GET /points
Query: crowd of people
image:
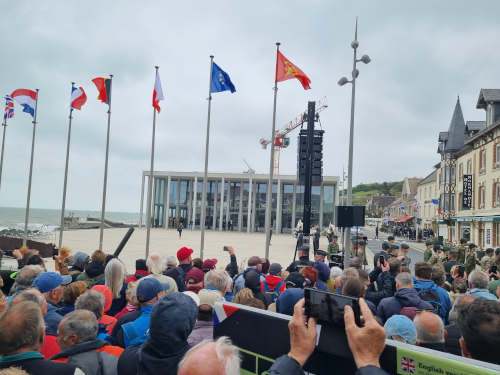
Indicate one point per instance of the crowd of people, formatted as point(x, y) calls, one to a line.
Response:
point(90, 316)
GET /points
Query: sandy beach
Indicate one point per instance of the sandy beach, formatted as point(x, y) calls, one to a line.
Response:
point(167, 242)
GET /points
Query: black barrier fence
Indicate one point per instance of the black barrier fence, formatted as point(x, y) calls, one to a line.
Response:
point(263, 336)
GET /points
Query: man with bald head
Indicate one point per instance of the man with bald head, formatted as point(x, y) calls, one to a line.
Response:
point(218, 358)
point(430, 330)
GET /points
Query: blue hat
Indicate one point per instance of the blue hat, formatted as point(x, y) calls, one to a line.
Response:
point(400, 325)
point(149, 288)
point(47, 281)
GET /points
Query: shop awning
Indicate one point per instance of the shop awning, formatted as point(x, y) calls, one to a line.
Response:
point(406, 219)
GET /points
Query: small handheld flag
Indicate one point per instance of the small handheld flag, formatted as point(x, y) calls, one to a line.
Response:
point(9, 108)
point(157, 93)
point(26, 98)
point(220, 80)
point(285, 69)
point(78, 98)
point(104, 87)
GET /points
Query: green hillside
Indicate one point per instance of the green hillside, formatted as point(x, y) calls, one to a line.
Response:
point(362, 192)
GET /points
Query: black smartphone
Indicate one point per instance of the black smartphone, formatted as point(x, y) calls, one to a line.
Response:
point(493, 268)
point(381, 260)
point(225, 248)
point(328, 308)
point(461, 271)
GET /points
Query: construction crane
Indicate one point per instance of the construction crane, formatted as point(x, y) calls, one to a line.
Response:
point(282, 141)
point(250, 170)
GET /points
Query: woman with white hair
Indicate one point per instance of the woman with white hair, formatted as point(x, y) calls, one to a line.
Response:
point(156, 266)
point(114, 279)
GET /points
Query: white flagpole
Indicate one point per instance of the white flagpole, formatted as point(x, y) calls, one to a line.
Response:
point(150, 180)
point(4, 124)
point(61, 229)
point(205, 175)
point(27, 214)
point(103, 207)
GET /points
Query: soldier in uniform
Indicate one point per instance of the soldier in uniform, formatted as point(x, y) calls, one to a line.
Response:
point(303, 262)
point(436, 257)
point(319, 256)
point(333, 246)
point(384, 252)
point(405, 248)
point(487, 260)
point(471, 260)
point(428, 250)
point(393, 251)
point(390, 239)
point(462, 250)
point(362, 251)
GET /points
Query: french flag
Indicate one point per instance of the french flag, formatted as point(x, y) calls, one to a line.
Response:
point(157, 93)
point(26, 98)
point(78, 97)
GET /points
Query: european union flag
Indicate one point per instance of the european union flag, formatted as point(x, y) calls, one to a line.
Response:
point(220, 80)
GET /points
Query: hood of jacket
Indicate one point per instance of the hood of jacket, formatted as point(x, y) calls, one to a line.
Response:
point(94, 269)
point(423, 284)
point(80, 348)
point(273, 281)
point(168, 333)
point(407, 297)
point(252, 281)
point(108, 295)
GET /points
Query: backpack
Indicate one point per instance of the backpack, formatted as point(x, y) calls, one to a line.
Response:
point(431, 296)
point(274, 293)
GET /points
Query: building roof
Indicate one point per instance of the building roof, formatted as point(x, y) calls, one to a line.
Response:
point(487, 95)
point(431, 177)
point(471, 126)
point(456, 131)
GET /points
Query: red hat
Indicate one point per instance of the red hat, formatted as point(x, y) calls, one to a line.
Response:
point(184, 253)
point(209, 264)
point(195, 275)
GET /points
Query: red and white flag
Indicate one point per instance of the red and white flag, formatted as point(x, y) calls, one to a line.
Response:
point(157, 93)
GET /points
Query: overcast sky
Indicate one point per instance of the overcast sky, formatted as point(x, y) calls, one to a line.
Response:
point(423, 54)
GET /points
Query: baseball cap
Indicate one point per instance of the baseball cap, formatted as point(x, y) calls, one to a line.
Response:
point(274, 269)
point(149, 288)
point(400, 325)
point(47, 281)
point(184, 253)
point(255, 260)
point(209, 264)
point(295, 280)
point(209, 297)
point(195, 275)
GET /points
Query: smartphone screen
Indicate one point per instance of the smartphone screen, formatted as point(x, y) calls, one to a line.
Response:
point(225, 248)
point(381, 259)
point(461, 270)
point(328, 308)
point(493, 269)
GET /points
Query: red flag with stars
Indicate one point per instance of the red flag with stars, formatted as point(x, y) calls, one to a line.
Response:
point(285, 69)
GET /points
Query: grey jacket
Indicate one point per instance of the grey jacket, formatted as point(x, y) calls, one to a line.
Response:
point(202, 330)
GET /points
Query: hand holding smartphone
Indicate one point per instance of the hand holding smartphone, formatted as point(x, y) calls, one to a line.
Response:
point(328, 308)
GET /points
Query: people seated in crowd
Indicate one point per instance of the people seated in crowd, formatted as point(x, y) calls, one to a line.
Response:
point(106, 320)
point(94, 272)
point(93, 301)
point(80, 263)
point(70, 294)
point(77, 337)
point(24, 279)
point(22, 336)
point(114, 279)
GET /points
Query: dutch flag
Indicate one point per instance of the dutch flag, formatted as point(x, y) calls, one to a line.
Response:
point(26, 99)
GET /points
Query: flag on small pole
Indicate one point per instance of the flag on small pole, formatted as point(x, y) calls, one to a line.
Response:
point(78, 98)
point(157, 96)
point(285, 70)
point(104, 88)
point(28, 99)
point(9, 113)
point(219, 81)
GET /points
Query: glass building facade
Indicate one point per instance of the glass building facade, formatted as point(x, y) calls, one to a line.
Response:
point(236, 201)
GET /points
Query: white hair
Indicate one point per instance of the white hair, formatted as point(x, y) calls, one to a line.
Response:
point(171, 261)
point(114, 275)
point(216, 279)
point(229, 282)
point(227, 354)
point(335, 272)
point(478, 279)
point(155, 264)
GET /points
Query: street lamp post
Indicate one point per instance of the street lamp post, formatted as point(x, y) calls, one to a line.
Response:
point(355, 73)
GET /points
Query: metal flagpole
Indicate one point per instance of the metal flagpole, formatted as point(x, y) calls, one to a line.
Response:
point(271, 163)
point(27, 214)
point(205, 175)
point(103, 208)
point(4, 124)
point(61, 229)
point(150, 180)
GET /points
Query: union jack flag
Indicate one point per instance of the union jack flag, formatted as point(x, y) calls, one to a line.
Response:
point(9, 108)
point(408, 365)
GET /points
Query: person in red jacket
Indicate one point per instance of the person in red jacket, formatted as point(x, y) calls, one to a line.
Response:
point(273, 284)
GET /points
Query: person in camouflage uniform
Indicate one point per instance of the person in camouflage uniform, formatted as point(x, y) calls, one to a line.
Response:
point(462, 250)
point(487, 260)
point(428, 250)
point(471, 260)
point(361, 253)
point(333, 246)
point(436, 258)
